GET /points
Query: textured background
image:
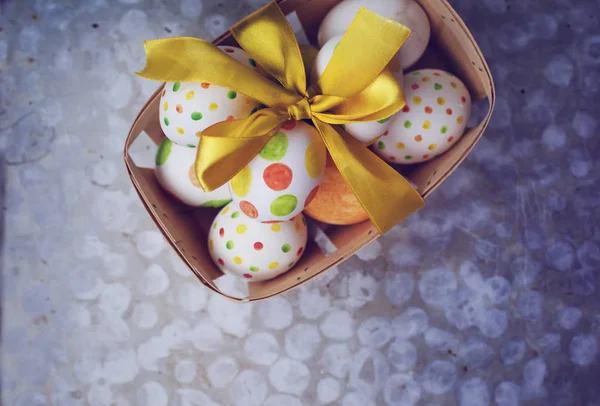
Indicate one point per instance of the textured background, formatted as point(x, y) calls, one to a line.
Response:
point(487, 296)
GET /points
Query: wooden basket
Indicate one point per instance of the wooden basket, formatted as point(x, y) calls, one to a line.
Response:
point(451, 48)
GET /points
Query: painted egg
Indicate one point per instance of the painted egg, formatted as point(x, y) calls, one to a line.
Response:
point(406, 12)
point(245, 248)
point(364, 132)
point(175, 173)
point(284, 177)
point(438, 107)
point(188, 108)
point(335, 203)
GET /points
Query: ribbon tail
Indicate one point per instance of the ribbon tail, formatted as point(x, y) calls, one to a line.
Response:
point(227, 147)
point(385, 195)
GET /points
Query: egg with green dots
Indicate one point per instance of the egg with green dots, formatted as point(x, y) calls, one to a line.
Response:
point(285, 175)
point(188, 108)
point(174, 168)
point(365, 132)
point(254, 251)
point(437, 110)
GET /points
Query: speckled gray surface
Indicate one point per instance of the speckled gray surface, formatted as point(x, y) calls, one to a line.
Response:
point(487, 296)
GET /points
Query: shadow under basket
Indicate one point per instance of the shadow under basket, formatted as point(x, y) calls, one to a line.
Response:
point(451, 48)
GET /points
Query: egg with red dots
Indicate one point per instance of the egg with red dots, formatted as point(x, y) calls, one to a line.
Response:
point(438, 107)
point(284, 177)
point(243, 247)
point(365, 132)
point(188, 108)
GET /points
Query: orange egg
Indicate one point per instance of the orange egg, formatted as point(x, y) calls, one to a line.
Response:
point(335, 203)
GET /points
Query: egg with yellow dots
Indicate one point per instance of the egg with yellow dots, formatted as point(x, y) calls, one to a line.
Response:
point(188, 108)
point(437, 110)
point(243, 247)
point(284, 177)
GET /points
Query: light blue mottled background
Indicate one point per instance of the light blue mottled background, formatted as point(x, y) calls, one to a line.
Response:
point(487, 296)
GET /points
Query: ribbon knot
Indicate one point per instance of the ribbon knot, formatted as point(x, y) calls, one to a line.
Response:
point(300, 110)
point(355, 88)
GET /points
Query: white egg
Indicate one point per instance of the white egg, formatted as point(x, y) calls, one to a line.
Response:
point(364, 132)
point(284, 177)
point(406, 12)
point(188, 108)
point(245, 248)
point(438, 107)
point(175, 173)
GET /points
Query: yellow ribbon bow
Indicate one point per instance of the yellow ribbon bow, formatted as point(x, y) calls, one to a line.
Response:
point(355, 87)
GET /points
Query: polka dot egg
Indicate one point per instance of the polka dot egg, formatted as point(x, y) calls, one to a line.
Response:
point(364, 132)
point(188, 108)
point(175, 173)
point(245, 248)
point(438, 107)
point(284, 177)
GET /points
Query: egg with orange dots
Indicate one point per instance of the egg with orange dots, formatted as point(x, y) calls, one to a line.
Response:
point(284, 177)
point(335, 203)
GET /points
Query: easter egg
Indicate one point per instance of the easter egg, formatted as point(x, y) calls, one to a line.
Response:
point(255, 251)
point(175, 173)
point(188, 108)
point(364, 132)
point(406, 12)
point(284, 177)
point(438, 107)
point(335, 203)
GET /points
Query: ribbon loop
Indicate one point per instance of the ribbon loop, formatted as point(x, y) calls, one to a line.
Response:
point(300, 110)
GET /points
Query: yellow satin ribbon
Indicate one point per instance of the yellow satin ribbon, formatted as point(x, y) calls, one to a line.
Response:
point(355, 87)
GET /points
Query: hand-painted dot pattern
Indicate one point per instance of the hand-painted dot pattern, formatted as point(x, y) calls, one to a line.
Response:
point(438, 107)
point(248, 209)
point(259, 252)
point(188, 108)
point(276, 148)
point(240, 184)
point(275, 185)
point(284, 205)
point(277, 176)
